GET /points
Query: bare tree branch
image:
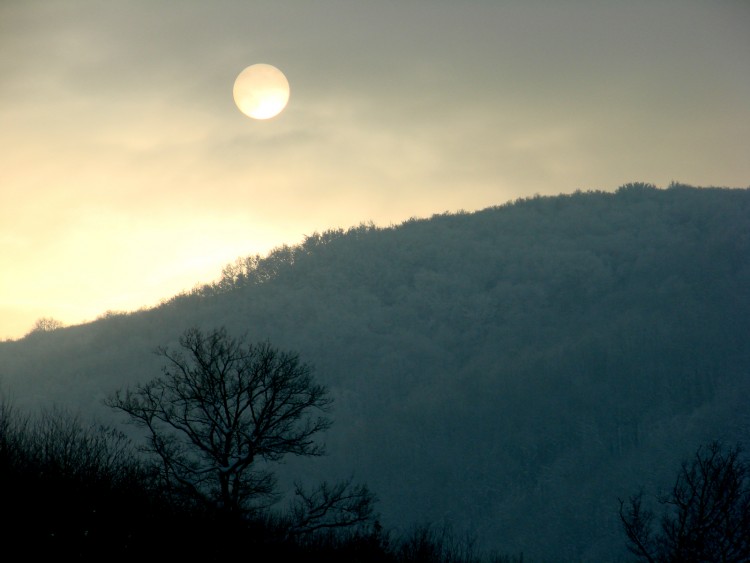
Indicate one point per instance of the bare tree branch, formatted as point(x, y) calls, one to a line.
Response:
point(327, 507)
point(706, 516)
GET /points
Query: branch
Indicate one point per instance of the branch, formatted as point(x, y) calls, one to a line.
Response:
point(342, 505)
point(637, 524)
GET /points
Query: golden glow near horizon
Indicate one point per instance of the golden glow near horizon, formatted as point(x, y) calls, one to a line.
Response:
point(143, 180)
point(261, 91)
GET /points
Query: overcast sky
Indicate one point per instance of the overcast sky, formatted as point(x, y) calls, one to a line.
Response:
point(127, 174)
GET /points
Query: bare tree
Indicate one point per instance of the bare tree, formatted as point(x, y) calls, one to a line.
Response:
point(330, 507)
point(706, 516)
point(45, 324)
point(220, 410)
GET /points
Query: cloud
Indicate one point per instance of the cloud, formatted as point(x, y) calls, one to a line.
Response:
point(118, 129)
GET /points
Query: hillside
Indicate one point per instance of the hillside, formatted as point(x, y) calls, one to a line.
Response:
point(510, 372)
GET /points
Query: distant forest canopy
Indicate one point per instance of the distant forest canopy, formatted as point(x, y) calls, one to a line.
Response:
point(510, 372)
point(512, 223)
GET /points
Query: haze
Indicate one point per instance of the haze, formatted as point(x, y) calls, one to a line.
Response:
point(127, 174)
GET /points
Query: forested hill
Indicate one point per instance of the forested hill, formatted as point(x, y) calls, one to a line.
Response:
point(511, 371)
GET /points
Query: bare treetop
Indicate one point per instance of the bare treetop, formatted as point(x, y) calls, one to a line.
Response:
point(221, 406)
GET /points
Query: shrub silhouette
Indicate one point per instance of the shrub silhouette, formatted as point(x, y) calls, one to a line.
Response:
point(706, 515)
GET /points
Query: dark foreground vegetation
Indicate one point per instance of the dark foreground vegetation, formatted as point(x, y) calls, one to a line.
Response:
point(81, 491)
point(704, 517)
point(508, 374)
point(75, 490)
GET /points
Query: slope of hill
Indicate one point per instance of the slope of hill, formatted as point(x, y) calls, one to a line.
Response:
point(510, 372)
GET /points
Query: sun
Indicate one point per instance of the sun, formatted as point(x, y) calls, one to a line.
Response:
point(261, 91)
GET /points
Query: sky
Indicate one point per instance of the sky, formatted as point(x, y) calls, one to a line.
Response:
point(128, 175)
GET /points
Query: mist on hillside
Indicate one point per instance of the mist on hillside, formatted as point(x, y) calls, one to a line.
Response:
point(509, 372)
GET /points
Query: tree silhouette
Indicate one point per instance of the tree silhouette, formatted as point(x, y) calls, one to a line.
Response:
point(45, 324)
point(221, 409)
point(706, 516)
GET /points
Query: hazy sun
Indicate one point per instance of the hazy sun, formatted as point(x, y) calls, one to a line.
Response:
point(261, 91)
